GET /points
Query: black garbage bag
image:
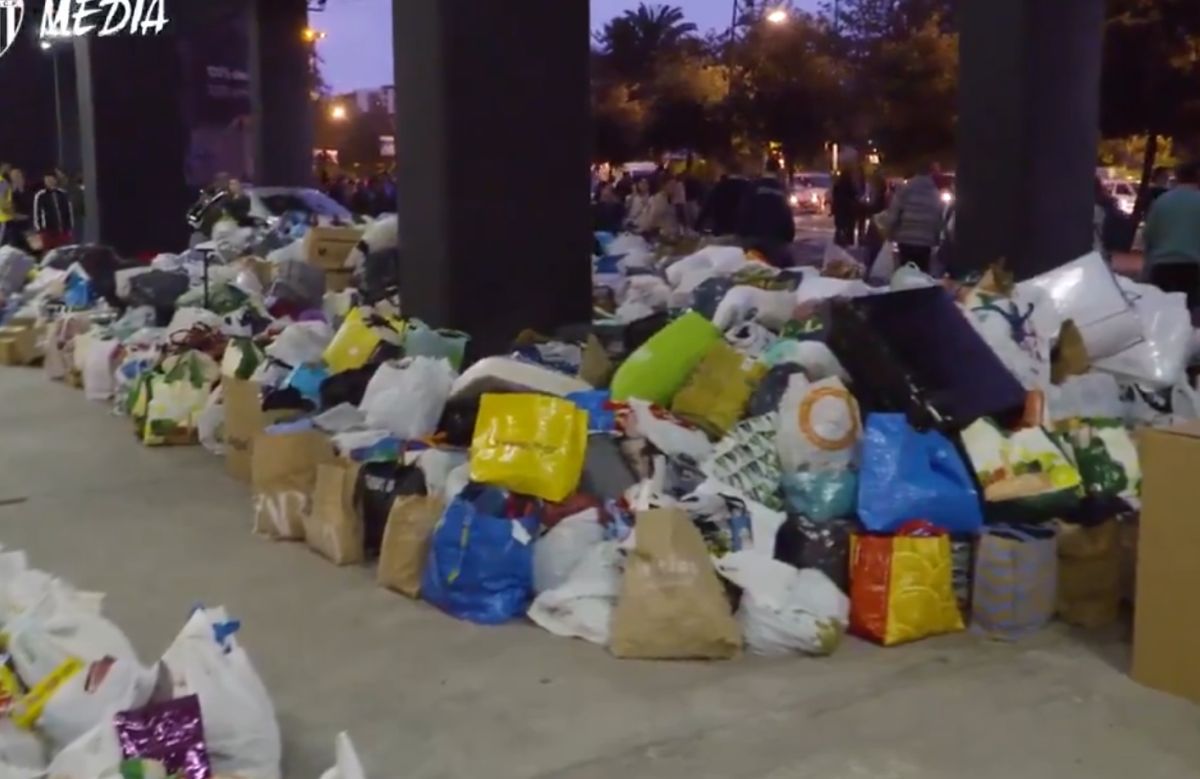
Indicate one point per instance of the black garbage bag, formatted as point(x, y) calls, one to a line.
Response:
point(347, 386)
point(378, 486)
point(458, 421)
point(642, 330)
point(771, 389)
point(914, 352)
point(710, 293)
point(824, 546)
point(380, 275)
point(158, 289)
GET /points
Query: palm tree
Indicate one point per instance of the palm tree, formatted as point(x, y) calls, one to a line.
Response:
point(634, 40)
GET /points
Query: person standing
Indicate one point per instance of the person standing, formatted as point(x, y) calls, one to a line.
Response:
point(638, 203)
point(846, 206)
point(661, 216)
point(1160, 184)
point(765, 221)
point(53, 216)
point(914, 220)
point(6, 201)
point(608, 212)
point(1173, 237)
point(22, 208)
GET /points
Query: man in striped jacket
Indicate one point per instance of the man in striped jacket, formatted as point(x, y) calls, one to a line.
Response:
point(52, 216)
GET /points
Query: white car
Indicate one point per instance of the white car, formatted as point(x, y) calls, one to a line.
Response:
point(810, 193)
point(1124, 194)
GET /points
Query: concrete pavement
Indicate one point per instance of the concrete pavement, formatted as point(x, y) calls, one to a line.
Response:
point(425, 696)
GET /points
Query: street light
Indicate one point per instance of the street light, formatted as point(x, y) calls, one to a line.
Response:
point(47, 45)
point(338, 113)
point(778, 16)
point(310, 35)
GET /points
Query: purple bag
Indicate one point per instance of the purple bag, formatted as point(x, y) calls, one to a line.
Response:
point(171, 733)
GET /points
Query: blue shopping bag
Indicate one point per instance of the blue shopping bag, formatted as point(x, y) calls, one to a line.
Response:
point(480, 564)
point(908, 475)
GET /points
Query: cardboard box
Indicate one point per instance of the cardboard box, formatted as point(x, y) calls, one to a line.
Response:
point(328, 247)
point(1166, 633)
point(18, 345)
point(244, 419)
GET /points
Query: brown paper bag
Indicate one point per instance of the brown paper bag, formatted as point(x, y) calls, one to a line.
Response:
point(406, 542)
point(333, 529)
point(283, 475)
point(1089, 574)
point(1070, 357)
point(672, 605)
point(244, 420)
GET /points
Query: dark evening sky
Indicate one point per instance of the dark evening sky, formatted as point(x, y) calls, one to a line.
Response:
point(358, 46)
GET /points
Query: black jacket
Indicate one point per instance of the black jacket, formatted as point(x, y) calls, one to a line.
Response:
point(52, 211)
point(722, 206)
point(765, 218)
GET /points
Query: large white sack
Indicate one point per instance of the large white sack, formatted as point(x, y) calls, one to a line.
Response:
point(626, 243)
point(772, 308)
point(20, 750)
point(1086, 292)
point(239, 718)
point(649, 291)
point(582, 607)
point(815, 287)
point(301, 343)
point(407, 398)
point(557, 553)
point(785, 610)
point(1161, 358)
point(347, 765)
point(94, 755)
point(720, 260)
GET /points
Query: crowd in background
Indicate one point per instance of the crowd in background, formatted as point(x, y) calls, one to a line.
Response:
point(39, 216)
point(371, 195)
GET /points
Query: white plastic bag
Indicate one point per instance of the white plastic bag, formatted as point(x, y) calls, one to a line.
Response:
point(1161, 359)
point(407, 398)
point(20, 749)
point(706, 263)
point(1090, 396)
point(626, 243)
point(764, 521)
point(771, 308)
point(191, 316)
point(817, 360)
point(670, 438)
point(1086, 292)
point(582, 606)
point(98, 369)
point(785, 610)
point(239, 718)
point(95, 667)
point(210, 425)
point(814, 287)
point(557, 553)
point(649, 291)
point(819, 425)
point(94, 755)
point(347, 765)
point(884, 266)
point(301, 343)
point(911, 277)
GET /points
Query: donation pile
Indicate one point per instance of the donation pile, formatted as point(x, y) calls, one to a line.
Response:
point(733, 457)
point(79, 704)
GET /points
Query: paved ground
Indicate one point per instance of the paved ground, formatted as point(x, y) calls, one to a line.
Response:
point(425, 696)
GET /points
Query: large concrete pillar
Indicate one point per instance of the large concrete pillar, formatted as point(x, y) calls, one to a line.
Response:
point(133, 142)
point(1028, 130)
point(492, 152)
point(280, 90)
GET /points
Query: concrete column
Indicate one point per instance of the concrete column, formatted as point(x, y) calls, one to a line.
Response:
point(1028, 130)
point(492, 152)
point(283, 108)
point(133, 142)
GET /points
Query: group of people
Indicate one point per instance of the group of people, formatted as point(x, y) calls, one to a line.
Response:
point(370, 195)
point(36, 219)
point(751, 207)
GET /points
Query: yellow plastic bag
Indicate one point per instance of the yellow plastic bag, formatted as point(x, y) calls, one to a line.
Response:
point(530, 444)
point(718, 390)
point(357, 339)
point(902, 587)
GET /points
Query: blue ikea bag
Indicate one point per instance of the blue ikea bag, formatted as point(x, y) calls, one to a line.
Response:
point(907, 475)
point(480, 564)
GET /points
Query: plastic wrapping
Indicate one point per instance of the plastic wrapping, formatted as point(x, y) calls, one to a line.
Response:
point(562, 548)
point(908, 475)
point(1160, 360)
point(171, 733)
point(531, 444)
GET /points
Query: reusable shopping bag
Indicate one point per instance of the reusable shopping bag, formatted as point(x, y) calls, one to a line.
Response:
point(406, 542)
point(819, 425)
point(908, 475)
point(333, 528)
point(480, 565)
point(423, 341)
point(407, 397)
point(283, 476)
point(747, 460)
point(672, 605)
point(531, 444)
point(358, 338)
point(1106, 456)
point(1016, 580)
point(241, 359)
point(378, 487)
point(716, 394)
point(822, 546)
point(660, 366)
point(1089, 574)
point(170, 400)
point(1025, 475)
point(901, 586)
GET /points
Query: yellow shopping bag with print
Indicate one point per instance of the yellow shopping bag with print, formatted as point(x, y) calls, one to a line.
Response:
point(902, 586)
point(358, 338)
point(530, 444)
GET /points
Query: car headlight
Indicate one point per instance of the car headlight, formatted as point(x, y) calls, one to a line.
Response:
point(794, 200)
point(947, 197)
point(815, 197)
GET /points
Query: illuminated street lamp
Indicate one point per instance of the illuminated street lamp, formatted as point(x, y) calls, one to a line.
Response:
point(778, 16)
point(309, 35)
point(338, 113)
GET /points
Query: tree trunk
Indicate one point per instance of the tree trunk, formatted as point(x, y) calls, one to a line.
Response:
point(1148, 164)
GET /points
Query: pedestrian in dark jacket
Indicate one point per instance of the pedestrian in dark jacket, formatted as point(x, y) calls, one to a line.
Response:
point(720, 212)
point(53, 216)
point(765, 221)
point(846, 204)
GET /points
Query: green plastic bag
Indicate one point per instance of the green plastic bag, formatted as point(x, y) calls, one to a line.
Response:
point(718, 390)
point(662, 365)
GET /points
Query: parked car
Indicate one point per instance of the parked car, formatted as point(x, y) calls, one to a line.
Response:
point(269, 204)
point(1124, 194)
point(810, 193)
